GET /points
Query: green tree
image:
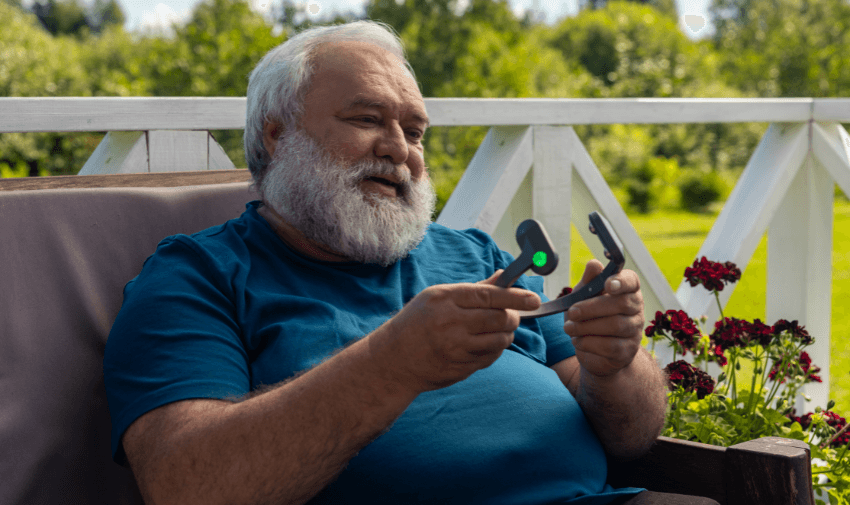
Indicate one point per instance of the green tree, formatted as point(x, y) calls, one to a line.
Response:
point(633, 51)
point(105, 13)
point(29, 67)
point(436, 33)
point(785, 47)
point(61, 17)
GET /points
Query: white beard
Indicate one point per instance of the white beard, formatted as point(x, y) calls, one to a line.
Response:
point(321, 196)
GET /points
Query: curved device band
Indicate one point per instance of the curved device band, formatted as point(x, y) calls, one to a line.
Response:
point(565, 302)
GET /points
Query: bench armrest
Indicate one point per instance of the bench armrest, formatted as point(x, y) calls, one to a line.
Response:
point(769, 471)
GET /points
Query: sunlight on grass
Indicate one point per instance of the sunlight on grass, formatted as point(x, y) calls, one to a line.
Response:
point(674, 239)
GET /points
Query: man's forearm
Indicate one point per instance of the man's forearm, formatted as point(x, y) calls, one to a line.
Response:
point(627, 409)
point(283, 446)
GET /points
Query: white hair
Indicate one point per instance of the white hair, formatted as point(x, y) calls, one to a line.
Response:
point(279, 82)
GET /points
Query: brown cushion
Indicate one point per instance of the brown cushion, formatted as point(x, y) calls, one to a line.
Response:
point(65, 256)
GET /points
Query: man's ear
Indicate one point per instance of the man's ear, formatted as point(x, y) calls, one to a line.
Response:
point(271, 132)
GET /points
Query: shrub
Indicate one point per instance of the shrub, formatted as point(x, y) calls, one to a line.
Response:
point(701, 189)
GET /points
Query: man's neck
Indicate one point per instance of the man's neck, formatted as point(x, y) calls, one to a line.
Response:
point(295, 239)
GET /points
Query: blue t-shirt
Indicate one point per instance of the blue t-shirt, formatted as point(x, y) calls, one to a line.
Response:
point(229, 309)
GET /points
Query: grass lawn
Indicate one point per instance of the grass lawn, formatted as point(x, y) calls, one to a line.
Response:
point(674, 239)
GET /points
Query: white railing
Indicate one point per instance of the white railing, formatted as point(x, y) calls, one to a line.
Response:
point(531, 165)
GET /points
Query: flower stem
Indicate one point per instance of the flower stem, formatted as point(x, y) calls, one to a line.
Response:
point(834, 437)
point(717, 299)
point(753, 386)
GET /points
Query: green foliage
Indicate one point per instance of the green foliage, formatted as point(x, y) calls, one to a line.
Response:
point(64, 17)
point(71, 17)
point(29, 67)
point(700, 190)
point(784, 47)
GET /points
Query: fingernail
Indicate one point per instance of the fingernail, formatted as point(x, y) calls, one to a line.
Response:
point(615, 285)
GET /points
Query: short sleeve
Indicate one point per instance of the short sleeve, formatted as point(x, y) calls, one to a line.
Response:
point(175, 337)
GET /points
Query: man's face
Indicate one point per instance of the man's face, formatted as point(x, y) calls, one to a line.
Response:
point(363, 104)
point(353, 176)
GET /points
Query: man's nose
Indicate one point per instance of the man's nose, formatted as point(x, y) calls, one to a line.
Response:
point(392, 145)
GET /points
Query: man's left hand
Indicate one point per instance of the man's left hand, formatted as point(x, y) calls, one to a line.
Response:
point(608, 328)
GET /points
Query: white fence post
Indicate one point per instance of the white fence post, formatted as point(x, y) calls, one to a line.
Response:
point(799, 266)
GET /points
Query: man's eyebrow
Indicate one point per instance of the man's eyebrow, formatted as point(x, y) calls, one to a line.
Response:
point(367, 103)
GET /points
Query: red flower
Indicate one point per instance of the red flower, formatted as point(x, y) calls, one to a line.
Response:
point(833, 420)
point(799, 332)
point(805, 364)
point(678, 325)
point(761, 332)
point(718, 355)
point(681, 373)
point(711, 274)
point(730, 332)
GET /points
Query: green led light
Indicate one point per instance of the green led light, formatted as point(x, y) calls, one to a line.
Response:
point(539, 258)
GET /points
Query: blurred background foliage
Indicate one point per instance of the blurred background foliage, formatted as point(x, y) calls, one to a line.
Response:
point(474, 48)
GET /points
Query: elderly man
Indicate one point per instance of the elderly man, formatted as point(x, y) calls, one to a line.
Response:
point(334, 345)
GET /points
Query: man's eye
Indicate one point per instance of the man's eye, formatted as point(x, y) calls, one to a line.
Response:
point(416, 134)
point(368, 119)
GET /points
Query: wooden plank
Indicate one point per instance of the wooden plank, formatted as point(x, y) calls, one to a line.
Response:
point(831, 109)
point(552, 197)
point(675, 466)
point(121, 114)
point(178, 150)
point(539, 111)
point(217, 159)
point(831, 146)
point(770, 471)
point(143, 180)
point(59, 114)
point(520, 209)
point(799, 267)
point(119, 153)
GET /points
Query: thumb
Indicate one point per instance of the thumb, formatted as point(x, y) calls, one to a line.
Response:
point(591, 270)
point(492, 279)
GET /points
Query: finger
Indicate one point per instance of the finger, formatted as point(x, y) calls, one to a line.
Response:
point(628, 304)
point(621, 326)
point(478, 321)
point(592, 269)
point(491, 343)
point(481, 296)
point(493, 278)
point(627, 281)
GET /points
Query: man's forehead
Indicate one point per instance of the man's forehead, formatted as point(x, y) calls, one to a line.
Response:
point(353, 53)
point(368, 68)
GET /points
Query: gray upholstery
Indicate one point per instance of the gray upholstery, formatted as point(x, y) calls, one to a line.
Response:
point(65, 256)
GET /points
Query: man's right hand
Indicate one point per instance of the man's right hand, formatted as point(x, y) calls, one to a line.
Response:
point(449, 331)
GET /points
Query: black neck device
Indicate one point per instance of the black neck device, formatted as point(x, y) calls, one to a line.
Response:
point(539, 256)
